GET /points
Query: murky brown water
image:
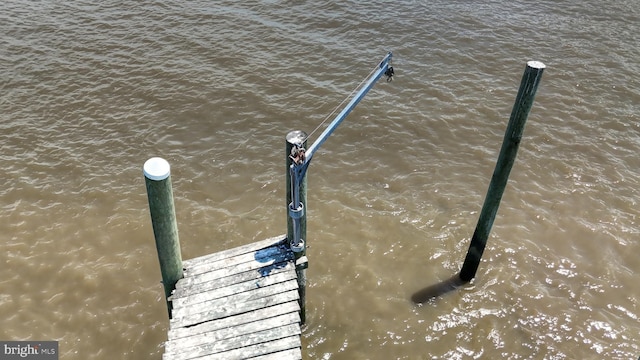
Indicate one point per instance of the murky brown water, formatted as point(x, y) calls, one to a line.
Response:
point(90, 90)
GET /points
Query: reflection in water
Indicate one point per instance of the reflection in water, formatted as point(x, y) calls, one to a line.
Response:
point(436, 290)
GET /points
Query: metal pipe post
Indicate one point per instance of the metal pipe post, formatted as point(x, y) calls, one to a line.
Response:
point(163, 218)
point(513, 135)
point(297, 223)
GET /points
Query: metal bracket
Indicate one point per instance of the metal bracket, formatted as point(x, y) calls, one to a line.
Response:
point(302, 263)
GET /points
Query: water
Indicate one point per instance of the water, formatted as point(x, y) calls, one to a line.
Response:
point(90, 90)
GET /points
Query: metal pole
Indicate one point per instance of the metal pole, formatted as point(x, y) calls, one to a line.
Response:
point(297, 163)
point(163, 218)
point(382, 69)
point(513, 135)
point(297, 224)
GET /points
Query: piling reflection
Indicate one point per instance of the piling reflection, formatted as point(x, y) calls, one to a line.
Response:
point(437, 290)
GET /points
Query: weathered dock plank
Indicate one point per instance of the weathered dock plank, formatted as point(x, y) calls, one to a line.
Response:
point(240, 303)
point(231, 309)
point(213, 273)
point(252, 247)
point(272, 269)
point(232, 304)
point(261, 338)
point(252, 351)
point(261, 256)
point(286, 354)
point(263, 313)
point(241, 287)
point(232, 332)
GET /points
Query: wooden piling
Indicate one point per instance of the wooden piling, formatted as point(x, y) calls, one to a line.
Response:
point(163, 218)
point(297, 138)
point(513, 135)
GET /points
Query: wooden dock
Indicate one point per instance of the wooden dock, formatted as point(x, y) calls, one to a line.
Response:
point(248, 302)
point(241, 303)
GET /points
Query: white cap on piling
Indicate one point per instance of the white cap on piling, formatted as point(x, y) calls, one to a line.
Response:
point(536, 64)
point(156, 168)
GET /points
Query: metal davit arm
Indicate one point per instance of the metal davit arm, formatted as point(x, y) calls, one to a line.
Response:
point(301, 157)
point(382, 69)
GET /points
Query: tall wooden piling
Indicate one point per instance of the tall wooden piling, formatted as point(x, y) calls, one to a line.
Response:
point(513, 135)
point(297, 138)
point(163, 218)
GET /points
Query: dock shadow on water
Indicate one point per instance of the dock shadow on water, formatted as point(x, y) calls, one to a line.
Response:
point(274, 257)
point(434, 291)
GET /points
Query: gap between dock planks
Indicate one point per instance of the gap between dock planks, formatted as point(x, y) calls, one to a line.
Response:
point(237, 304)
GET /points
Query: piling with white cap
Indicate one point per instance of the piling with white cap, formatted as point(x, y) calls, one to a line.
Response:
point(506, 158)
point(163, 218)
